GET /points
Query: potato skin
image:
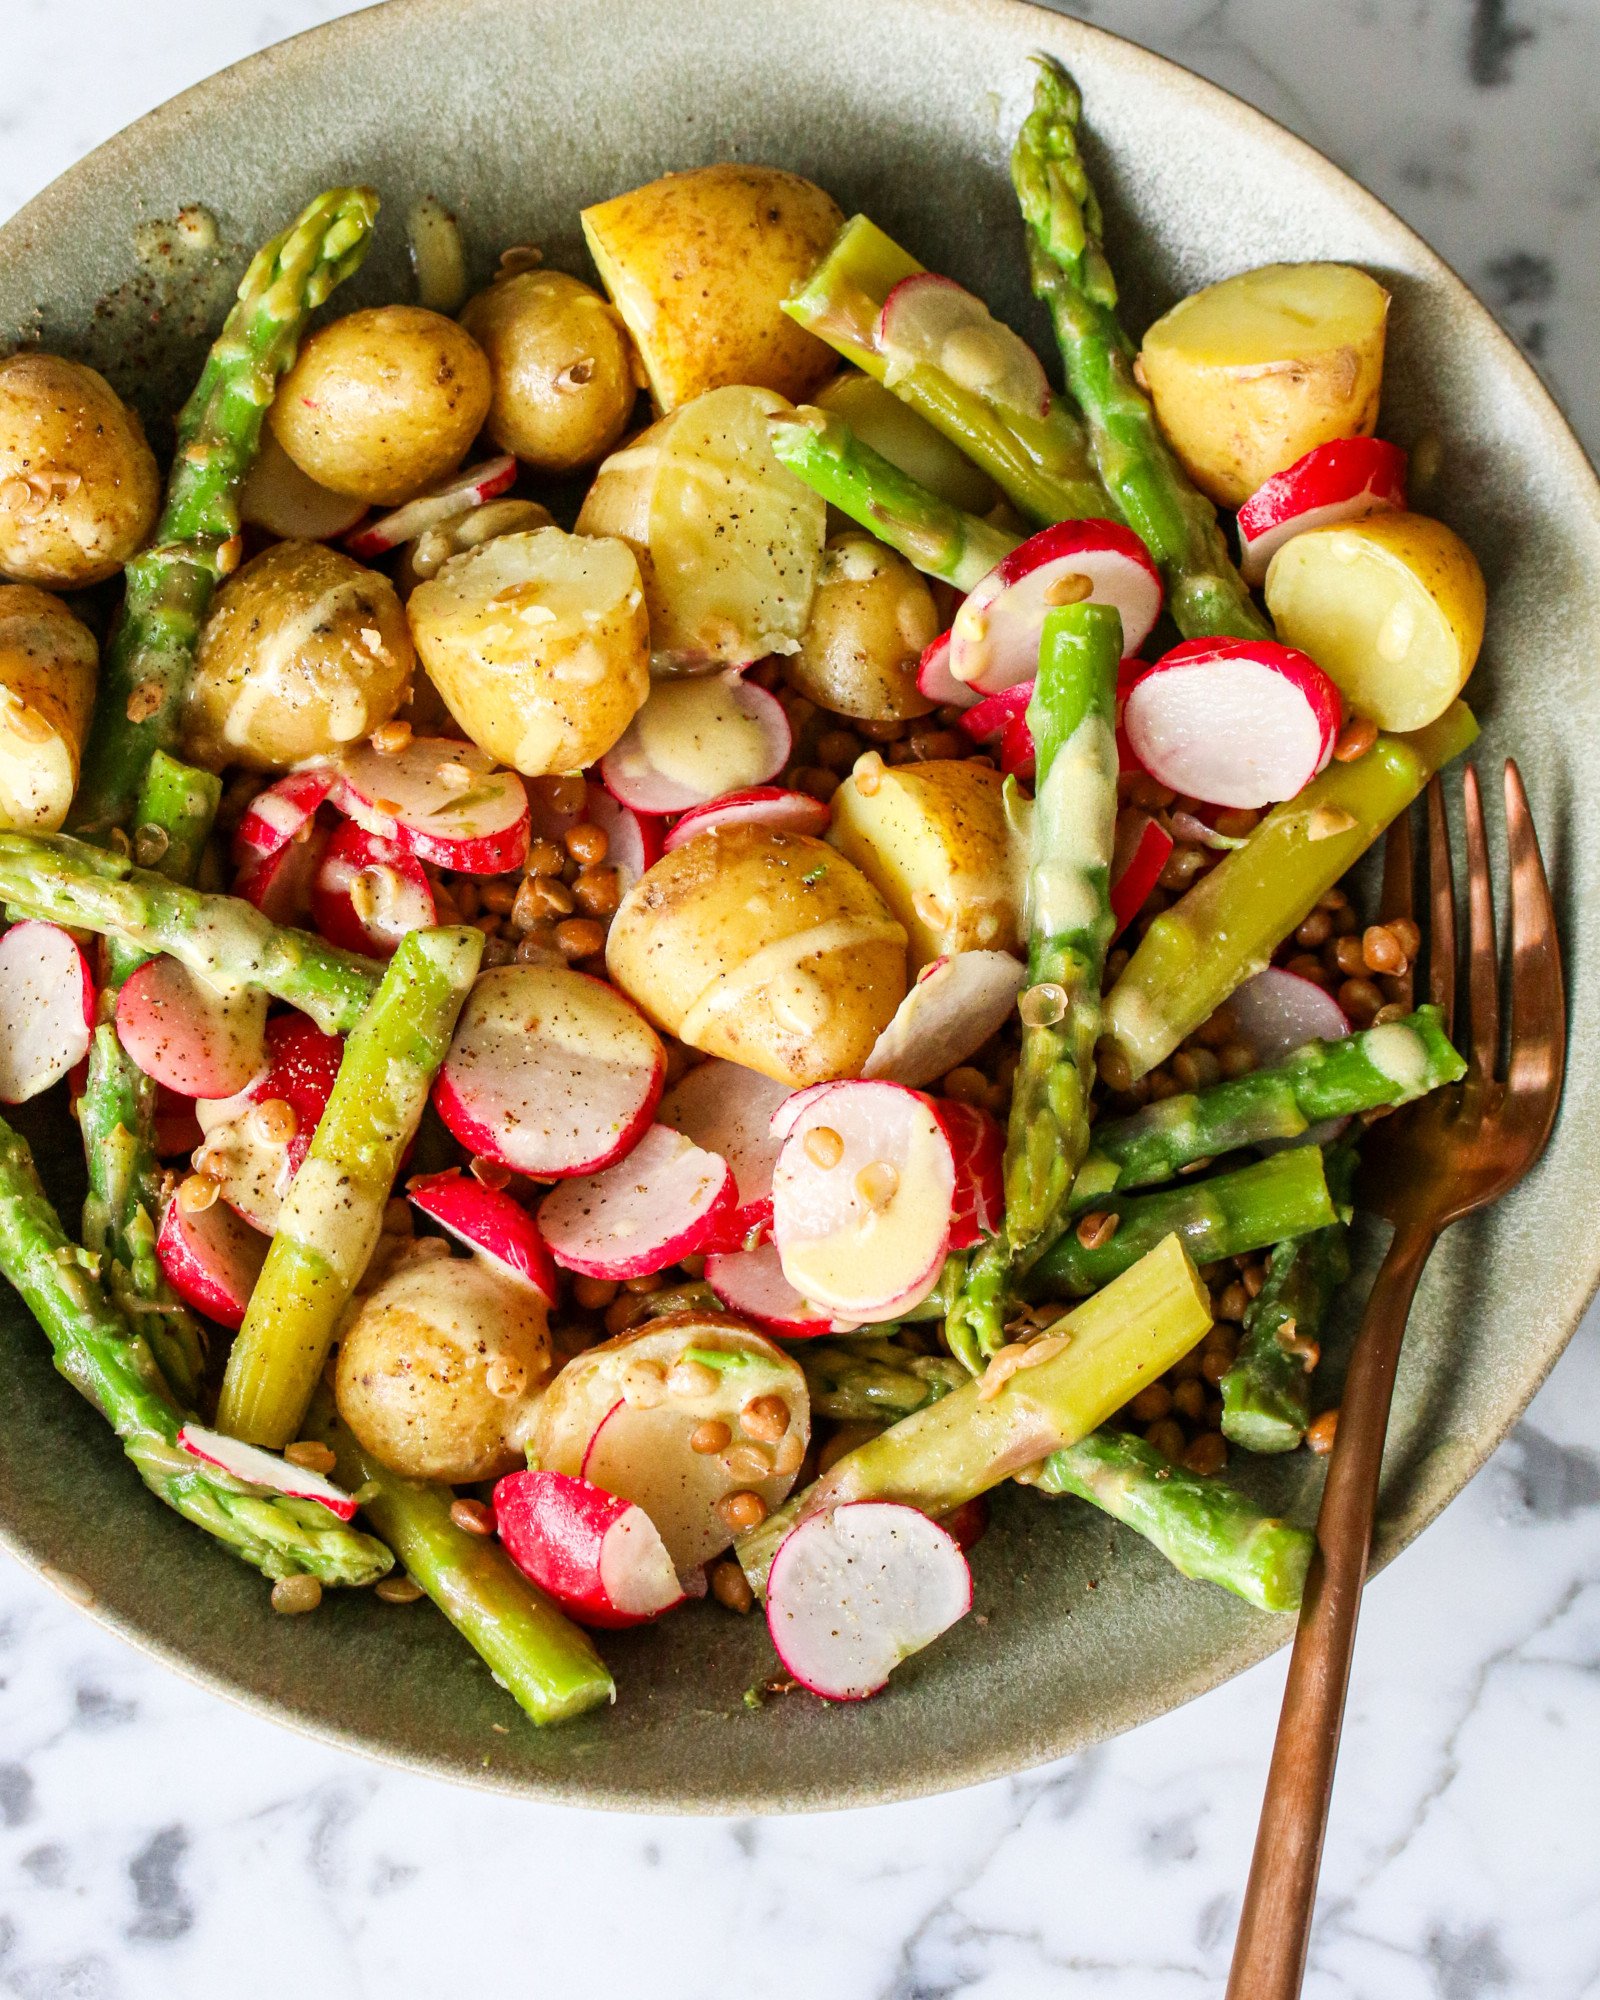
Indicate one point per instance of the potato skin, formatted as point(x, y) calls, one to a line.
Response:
point(564, 370)
point(539, 644)
point(48, 663)
point(79, 486)
point(304, 652)
point(382, 402)
point(699, 265)
point(763, 947)
point(419, 1364)
point(871, 618)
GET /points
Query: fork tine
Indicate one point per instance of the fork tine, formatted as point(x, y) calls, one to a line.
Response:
point(1396, 900)
point(1483, 963)
point(1538, 1000)
point(1442, 907)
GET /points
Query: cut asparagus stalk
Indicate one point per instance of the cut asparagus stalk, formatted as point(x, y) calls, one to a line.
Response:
point(111, 1365)
point(1227, 1216)
point(1084, 1368)
point(1387, 1065)
point(868, 1381)
point(331, 1220)
point(1205, 593)
point(1229, 924)
point(1041, 464)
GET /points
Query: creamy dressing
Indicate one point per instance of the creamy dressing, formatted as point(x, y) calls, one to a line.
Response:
point(1076, 815)
point(1397, 1052)
point(695, 733)
point(775, 965)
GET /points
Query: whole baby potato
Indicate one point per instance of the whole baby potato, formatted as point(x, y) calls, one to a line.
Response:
point(383, 402)
point(699, 265)
point(439, 1370)
point(562, 364)
point(47, 674)
point(539, 644)
point(871, 618)
point(304, 652)
point(79, 487)
point(765, 947)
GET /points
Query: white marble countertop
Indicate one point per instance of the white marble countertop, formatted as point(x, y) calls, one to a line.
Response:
point(155, 1842)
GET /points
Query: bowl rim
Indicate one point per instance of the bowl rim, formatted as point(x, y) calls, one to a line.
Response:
point(1064, 35)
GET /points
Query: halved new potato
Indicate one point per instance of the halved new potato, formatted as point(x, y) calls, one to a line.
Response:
point(1247, 375)
point(1391, 608)
point(48, 661)
point(871, 619)
point(728, 540)
point(539, 645)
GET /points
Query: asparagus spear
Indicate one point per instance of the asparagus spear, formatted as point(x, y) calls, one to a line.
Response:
point(1203, 1527)
point(932, 535)
point(1266, 1394)
point(222, 938)
point(1041, 464)
point(1389, 1065)
point(333, 1215)
point(1228, 925)
point(169, 586)
point(1225, 1216)
point(540, 1658)
point(1071, 1379)
point(111, 1364)
point(1205, 593)
point(863, 1380)
point(1072, 715)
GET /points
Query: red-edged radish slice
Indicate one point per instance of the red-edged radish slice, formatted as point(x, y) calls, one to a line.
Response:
point(601, 1558)
point(953, 1009)
point(762, 805)
point(634, 841)
point(789, 1112)
point(862, 1199)
point(1233, 722)
point(728, 1109)
point(994, 640)
point(979, 1147)
point(188, 1035)
point(284, 501)
point(936, 682)
point(255, 1158)
point(1334, 482)
point(1142, 849)
point(491, 1224)
point(1277, 1012)
point(458, 494)
point(280, 814)
point(751, 1283)
point(988, 720)
point(280, 883)
point(256, 1467)
point(667, 1199)
point(47, 1005)
point(369, 892)
point(551, 1072)
point(211, 1258)
point(858, 1588)
point(177, 1127)
point(696, 740)
point(1017, 756)
point(440, 800)
point(930, 321)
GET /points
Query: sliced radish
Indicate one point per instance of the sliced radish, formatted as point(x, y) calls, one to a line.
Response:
point(255, 1158)
point(439, 799)
point(1142, 850)
point(1277, 1012)
point(994, 641)
point(255, 1467)
point(211, 1258)
point(177, 1127)
point(1334, 482)
point(280, 883)
point(955, 1006)
point(979, 1147)
point(857, 1589)
point(288, 503)
point(789, 1112)
point(937, 683)
point(551, 1072)
point(633, 840)
point(729, 1109)
point(862, 1200)
point(47, 1004)
point(1233, 722)
point(762, 805)
point(695, 741)
point(1017, 757)
point(988, 720)
point(195, 1039)
point(458, 494)
point(751, 1283)
point(665, 1200)
point(929, 321)
point(601, 1558)
point(491, 1224)
point(369, 892)
point(281, 813)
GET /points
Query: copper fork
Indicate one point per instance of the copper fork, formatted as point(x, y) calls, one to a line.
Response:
point(1428, 1166)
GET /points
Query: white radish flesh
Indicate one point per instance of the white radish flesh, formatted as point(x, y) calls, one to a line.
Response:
point(211, 1257)
point(439, 799)
point(601, 1558)
point(762, 805)
point(368, 893)
point(937, 683)
point(728, 1109)
point(695, 741)
point(47, 1004)
point(247, 1462)
point(751, 1283)
point(281, 813)
point(491, 1224)
point(278, 497)
point(1341, 481)
point(930, 321)
point(856, 1590)
point(255, 1157)
point(955, 1006)
point(194, 1038)
point(664, 1200)
point(469, 488)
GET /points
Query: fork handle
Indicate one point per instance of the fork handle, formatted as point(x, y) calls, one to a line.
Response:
point(1269, 1954)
